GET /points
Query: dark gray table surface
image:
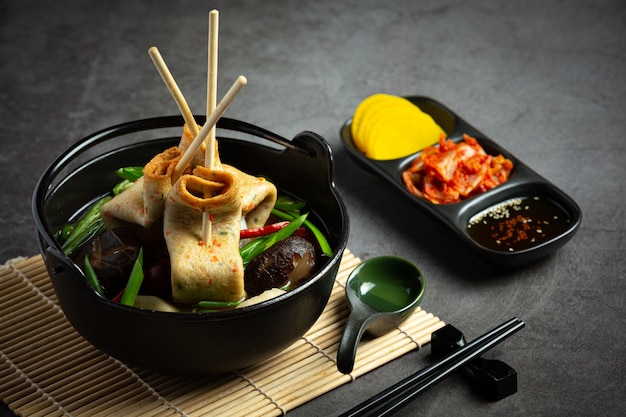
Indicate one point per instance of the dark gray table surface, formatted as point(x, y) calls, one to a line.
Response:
point(546, 80)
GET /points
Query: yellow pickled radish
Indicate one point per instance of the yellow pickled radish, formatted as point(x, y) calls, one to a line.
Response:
point(390, 127)
point(361, 115)
point(401, 137)
point(383, 114)
point(369, 108)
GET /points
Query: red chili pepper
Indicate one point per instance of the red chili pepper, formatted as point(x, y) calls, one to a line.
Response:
point(262, 231)
point(118, 297)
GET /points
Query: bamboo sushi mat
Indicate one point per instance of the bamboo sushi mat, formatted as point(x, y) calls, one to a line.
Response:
point(48, 369)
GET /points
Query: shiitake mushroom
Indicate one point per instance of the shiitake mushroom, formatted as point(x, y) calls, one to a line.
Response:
point(112, 255)
point(291, 260)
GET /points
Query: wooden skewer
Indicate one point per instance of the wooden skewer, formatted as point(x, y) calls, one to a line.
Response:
point(167, 77)
point(212, 84)
point(228, 98)
point(209, 154)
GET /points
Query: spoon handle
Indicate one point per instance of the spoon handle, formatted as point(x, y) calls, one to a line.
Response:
point(355, 326)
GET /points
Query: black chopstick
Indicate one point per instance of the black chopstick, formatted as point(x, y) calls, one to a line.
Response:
point(396, 396)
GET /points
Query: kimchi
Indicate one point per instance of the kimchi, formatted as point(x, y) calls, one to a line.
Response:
point(451, 172)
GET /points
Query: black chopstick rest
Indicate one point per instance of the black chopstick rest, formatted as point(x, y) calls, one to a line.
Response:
point(496, 380)
point(493, 379)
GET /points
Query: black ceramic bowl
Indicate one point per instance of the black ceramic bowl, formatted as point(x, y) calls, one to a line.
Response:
point(524, 188)
point(189, 342)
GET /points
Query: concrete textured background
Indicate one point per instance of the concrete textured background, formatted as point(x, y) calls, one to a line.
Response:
point(543, 79)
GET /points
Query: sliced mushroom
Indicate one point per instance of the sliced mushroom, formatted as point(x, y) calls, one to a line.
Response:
point(289, 261)
point(112, 255)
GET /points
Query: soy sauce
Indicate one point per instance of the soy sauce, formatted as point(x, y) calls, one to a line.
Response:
point(518, 224)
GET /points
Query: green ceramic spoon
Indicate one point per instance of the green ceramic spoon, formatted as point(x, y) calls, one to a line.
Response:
point(382, 292)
